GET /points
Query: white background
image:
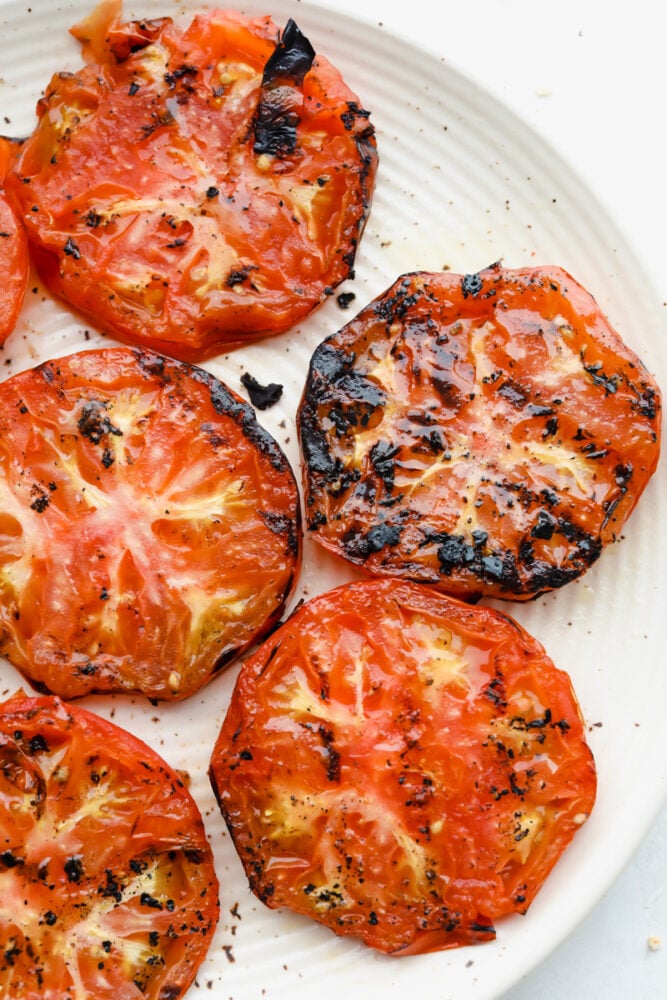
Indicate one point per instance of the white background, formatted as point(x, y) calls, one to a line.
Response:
point(591, 77)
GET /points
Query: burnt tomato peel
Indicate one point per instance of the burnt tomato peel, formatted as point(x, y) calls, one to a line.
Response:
point(401, 766)
point(150, 528)
point(193, 189)
point(108, 888)
point(487, 434)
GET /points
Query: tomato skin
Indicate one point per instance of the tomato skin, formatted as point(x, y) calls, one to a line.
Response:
point(149, 527)
point(108, 884)
point(487, 434)
point(14, 260)
point(401, 766)
point(159, 215)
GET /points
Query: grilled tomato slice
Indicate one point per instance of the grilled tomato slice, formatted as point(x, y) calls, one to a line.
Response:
point(487, 434)
point(14, 260)
point(149, 527)
point(401, 766)
point(192, 189)
point(107, 884)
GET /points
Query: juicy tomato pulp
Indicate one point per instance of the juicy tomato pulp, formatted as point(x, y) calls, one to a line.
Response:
point(149, 527)
point(195, 189)
point(14, 260)
point(401, 766)
point(488, 434)
point(107, 884)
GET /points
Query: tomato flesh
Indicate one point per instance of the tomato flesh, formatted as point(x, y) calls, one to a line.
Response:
point(107, 883)
point(401, 766)
point(14, 260)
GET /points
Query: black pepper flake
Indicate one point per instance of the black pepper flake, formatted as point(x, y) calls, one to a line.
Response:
point(212, 192)
point(38, 744)
point(147, 900)
point(71, 249)
point(40, 503)
point(345, 299)
point(10, 860)
point(73, 869)
point(471, 284)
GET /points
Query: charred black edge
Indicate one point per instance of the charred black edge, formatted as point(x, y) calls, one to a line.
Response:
point(291, 59)
point(275, 126)
point(224, 401)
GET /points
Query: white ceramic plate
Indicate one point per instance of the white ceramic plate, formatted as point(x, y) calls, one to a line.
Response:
point(462, 183)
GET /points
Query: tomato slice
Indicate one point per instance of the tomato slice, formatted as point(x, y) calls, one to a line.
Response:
point(486, 434)
point(14, 260)
point(193, 189)
point(401, 766)
point(149, 527)
point(107, 883)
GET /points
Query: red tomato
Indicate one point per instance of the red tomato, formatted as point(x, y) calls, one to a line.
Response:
point(196, 189)
point(487, 434)
point(14, 261)
point(149, 527)
point(401, 766)
point(107, 884)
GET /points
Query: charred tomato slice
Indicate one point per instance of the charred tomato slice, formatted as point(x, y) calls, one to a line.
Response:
point(488, 434)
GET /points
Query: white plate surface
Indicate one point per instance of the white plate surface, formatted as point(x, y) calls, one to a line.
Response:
point(462, 182)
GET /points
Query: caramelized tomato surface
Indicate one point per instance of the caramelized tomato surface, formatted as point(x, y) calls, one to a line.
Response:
point(401, 766)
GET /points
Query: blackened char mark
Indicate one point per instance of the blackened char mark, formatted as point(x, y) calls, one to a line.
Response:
point(541, 575)
point(227, 404)
point(277, 119)
point(448, 391)
point(347, 398)
point(354, 402)
point(399, 300)
point(382, 457)
point(94, 422)
point(315, 444)
point(326, 366)
point(280, 524)
point(455, 552)
point(358, 546)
